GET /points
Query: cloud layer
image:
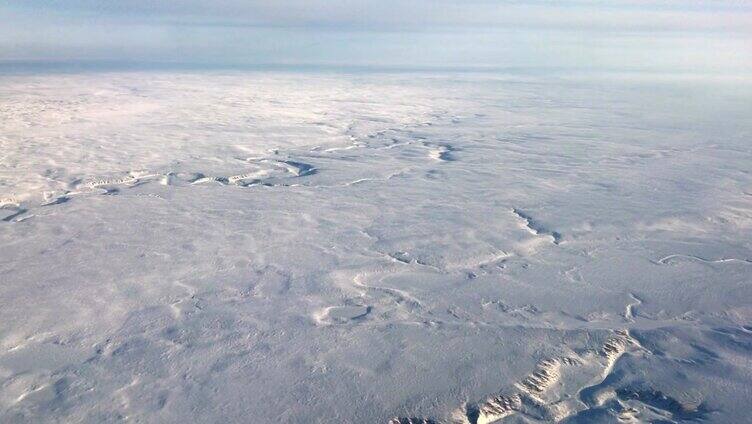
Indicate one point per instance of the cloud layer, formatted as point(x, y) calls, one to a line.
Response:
point(415, 14)
point(618, 33)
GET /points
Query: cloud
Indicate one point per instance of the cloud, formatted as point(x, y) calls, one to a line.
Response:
point(625, 34)
point(417, 14)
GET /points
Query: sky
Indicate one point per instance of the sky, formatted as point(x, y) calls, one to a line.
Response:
point(645, 35)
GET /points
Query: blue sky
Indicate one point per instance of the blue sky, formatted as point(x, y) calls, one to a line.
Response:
point(687, 35)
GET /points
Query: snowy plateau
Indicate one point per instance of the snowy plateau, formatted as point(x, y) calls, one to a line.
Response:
point(394, 247)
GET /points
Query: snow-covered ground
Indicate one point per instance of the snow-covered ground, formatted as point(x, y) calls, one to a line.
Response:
point(308, 247)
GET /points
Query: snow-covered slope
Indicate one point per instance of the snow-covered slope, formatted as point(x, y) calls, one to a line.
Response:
point(281, 247)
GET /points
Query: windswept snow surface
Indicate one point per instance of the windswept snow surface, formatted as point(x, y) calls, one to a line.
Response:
point(299, 248)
